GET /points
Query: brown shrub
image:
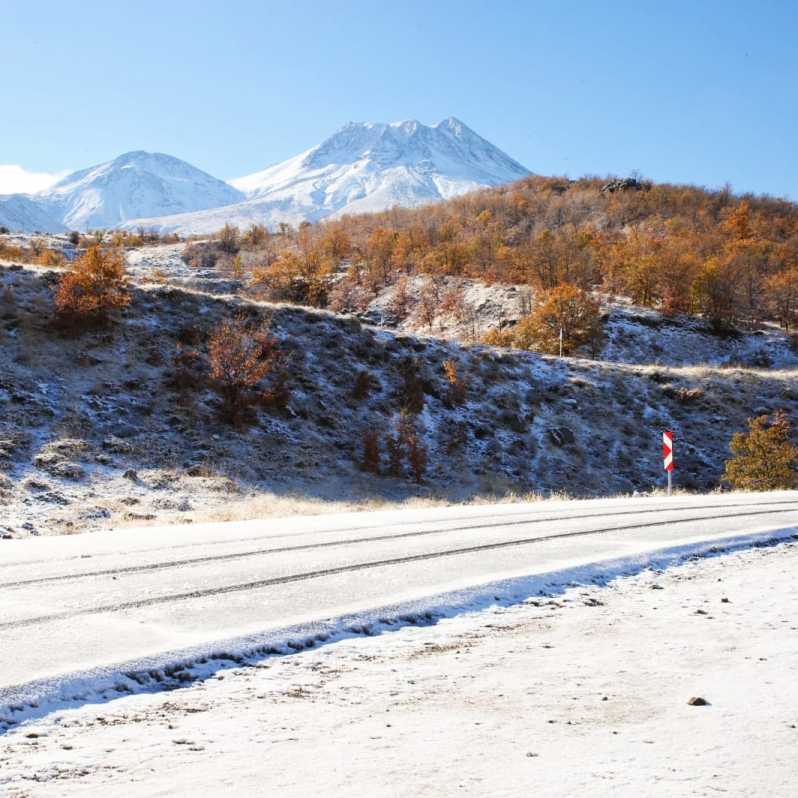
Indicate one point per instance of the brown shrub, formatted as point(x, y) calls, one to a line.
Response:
point(49, 257)
point(411, 390)
point(362, 386)
point(186, 372)
point(229, 239)
point(348, 296)
point(241, 355)
point(371, 452)
point(200, 256)
point(429, 300)
point(406, 444)
point(453, 301)
point(94, 286)
point(417, 457)
point(255, 236)
point(497, 337)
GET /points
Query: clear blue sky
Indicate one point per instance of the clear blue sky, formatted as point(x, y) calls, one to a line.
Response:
point(700, 92)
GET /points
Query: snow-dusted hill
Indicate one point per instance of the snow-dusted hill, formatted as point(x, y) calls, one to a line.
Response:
point(20, 212)
point(134, 184)
point(363, 167)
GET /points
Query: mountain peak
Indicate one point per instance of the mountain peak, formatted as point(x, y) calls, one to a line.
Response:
point(362, 167)
point(134, 184)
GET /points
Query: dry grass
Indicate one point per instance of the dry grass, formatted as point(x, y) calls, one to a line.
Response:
point(270, 505)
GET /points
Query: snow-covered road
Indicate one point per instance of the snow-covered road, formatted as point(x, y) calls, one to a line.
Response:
point(582, 692)
point(88, 606)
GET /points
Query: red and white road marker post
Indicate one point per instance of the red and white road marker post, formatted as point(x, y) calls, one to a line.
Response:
point(667, 457)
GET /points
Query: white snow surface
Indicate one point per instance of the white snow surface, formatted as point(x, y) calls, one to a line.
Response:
point(582, 690)
point(21, 212)
point(363, 167)
point(91, 615)
point(132, 185)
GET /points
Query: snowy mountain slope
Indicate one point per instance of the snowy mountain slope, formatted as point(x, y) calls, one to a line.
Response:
point(364, 167)
point(20, 212)
point(132, 185)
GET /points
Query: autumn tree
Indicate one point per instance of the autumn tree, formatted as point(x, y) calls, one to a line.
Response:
point(565, 310)
point(401, 298)
point(241, 354)
point(335, 242)
point(429, 299)
point(679, 249)
point(229, 239)
point(764, 458)
point(379, 250)
point(782, 291)
point(279, 279)
point(93, 287)
point(256, 236)
point(715, 290)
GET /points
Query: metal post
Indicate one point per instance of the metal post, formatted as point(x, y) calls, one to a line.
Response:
point(560, 341)
point(670, 482)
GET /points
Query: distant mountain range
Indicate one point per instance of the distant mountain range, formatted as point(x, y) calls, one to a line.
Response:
point(363, 167)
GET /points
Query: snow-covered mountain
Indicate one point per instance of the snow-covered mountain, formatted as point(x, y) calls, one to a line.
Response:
point(365, 166)
point(21, 212)
point(134, 184)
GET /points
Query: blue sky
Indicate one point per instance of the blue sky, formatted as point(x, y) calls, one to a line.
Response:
point(699, 92)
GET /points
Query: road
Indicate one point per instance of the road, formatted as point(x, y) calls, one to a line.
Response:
point(70, 604)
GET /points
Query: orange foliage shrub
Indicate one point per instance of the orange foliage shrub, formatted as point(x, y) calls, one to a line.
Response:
point(93, 287)
point(498, 337)
point(566, 309)
point(457, 388)
point(764, 458)
point(240, 356)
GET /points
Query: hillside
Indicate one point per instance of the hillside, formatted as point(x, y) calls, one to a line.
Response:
point(121, 425)
point(683, 250)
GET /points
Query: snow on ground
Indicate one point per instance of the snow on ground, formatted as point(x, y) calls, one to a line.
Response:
point(162, 263)
point(580, 693)
point(640, 335)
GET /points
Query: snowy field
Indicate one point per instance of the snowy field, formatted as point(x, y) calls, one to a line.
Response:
point(582, 693)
